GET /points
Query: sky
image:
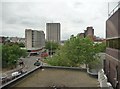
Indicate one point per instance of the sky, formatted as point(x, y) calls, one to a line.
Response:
point(73, 15)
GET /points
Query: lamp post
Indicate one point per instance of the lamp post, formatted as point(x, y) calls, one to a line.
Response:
point(51, 48)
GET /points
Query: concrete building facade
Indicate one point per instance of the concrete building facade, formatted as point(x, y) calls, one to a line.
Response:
point(112, 60)
point(34, 39)
point(53, 32)
point(89, 33)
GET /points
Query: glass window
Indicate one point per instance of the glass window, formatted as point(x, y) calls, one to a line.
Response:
point(113, 43)
point(119, 43)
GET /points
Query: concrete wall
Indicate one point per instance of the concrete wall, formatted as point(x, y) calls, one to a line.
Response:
point(111, 70)
point(119, 22)
point(112, 62)
point(90, 31)
point(113, 25)
point(28, 38)
point(53, 32)
point(113, 52)
point(34, 39)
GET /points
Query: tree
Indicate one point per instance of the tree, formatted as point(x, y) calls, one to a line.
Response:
point(76, 51)
point(51, 46)
point(10, 55)
point(101, 47)
point(21, 44)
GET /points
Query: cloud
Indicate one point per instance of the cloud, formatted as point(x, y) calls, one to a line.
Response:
point(77, 21)
point(74, 16)
point(77, 4)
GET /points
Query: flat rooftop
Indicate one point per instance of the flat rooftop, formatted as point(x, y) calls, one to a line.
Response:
point(48, 77)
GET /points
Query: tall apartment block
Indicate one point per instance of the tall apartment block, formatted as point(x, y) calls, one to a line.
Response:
point(34, 39)
point(112, 60)
point(53, 32)
point(89, 32)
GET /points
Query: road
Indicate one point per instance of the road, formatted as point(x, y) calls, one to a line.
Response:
point(29, 65)
point(29, 62)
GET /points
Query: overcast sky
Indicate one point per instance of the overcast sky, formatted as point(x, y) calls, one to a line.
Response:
point(74, 16)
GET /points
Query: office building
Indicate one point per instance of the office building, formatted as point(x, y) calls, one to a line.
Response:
point(89, 33)
point(35, 39)
point(53, 32)
point(112, 60)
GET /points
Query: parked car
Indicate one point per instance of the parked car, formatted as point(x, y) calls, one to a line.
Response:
point(15, 74)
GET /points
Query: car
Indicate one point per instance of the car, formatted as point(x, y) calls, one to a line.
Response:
point(15, 74)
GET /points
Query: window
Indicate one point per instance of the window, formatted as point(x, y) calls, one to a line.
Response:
point(113, 43)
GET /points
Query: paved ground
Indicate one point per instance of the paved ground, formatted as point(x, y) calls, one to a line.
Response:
point(29, 62)
point(29, 65)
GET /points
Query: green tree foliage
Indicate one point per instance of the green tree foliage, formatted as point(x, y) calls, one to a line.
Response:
point(101, 47)
point(21, 45)
point(16, 43)
point(50, 45)
point(10, 55)
point(76, 51)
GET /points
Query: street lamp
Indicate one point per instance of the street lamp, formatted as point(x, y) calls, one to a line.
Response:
point(51, 48)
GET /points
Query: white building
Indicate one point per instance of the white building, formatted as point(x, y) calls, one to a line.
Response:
point(35, 39)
